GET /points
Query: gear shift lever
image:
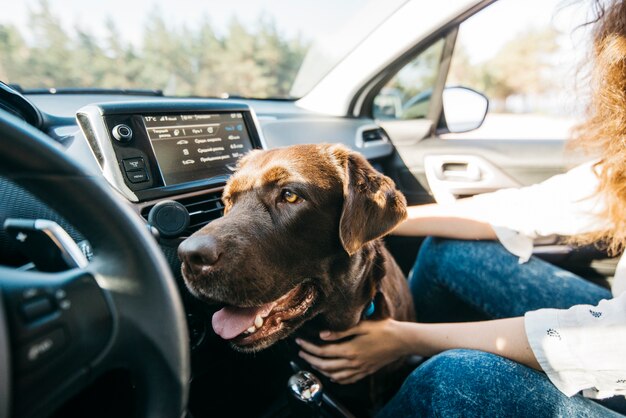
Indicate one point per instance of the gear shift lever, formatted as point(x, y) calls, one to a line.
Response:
point(305, 391)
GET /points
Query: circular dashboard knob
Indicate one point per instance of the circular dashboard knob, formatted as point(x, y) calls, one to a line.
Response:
point(170, 218)
point(122, 133)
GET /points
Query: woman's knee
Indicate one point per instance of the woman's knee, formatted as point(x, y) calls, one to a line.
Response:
point(437, 387)
point(461, 371)
point(468, 383)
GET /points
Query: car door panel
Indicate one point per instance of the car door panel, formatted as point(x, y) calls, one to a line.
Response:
point(497, 163)
point(435, 169)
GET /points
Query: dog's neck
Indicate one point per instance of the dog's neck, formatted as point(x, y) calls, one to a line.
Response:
point(372, 273)
point(361, 277)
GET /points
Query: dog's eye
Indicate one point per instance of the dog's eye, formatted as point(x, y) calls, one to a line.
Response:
point(289, 196)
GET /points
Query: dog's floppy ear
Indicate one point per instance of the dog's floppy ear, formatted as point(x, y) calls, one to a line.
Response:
point(372, 206)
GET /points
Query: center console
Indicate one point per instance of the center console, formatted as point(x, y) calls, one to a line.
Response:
point(154, 149)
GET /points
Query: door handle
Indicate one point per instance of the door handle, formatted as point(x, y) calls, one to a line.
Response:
point(459, 171)
point(452, 176)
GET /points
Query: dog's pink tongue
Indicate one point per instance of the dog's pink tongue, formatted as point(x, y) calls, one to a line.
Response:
point(231, 321)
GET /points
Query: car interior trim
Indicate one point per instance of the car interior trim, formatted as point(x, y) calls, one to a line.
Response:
point(91, 123)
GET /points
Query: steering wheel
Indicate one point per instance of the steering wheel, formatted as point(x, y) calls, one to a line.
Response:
point(61, 331)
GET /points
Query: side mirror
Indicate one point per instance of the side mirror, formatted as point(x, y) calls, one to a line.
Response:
point(464, 109)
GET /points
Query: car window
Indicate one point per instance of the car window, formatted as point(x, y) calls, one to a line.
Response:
point(407, 95)
point(530, 71)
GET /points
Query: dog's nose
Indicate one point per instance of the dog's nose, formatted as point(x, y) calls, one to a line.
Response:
point(199, 251)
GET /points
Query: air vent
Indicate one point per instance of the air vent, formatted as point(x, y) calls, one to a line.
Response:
point(372, 136)
point(202, 210)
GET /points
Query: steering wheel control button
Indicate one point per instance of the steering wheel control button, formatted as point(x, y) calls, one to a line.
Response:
point(138, 176)
point(122, 133)
point(170, 218)
point(35, 352)
point(36, 308)
point(132, 164)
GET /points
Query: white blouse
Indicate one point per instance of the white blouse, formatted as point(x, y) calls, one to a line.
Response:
point(584, 347)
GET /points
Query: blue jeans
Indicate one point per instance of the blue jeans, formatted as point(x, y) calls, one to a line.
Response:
point(456, 281)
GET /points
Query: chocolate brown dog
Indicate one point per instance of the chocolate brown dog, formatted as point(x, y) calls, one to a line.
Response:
point(298, 246)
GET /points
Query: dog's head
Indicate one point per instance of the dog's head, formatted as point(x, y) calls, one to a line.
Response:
point(294, 219)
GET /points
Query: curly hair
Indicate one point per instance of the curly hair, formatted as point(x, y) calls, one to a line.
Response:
point(603, 131)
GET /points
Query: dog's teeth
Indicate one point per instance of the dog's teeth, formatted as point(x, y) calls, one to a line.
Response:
point(251, 329)
point(258, 321)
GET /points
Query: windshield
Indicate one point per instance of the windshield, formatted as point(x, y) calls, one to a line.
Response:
point(182, 48)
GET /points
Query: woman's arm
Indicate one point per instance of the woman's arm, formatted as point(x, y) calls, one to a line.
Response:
point(565, 204)
point(378, 343)
point(447, 221)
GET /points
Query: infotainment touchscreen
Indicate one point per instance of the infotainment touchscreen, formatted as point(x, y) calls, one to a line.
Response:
point(198, 146)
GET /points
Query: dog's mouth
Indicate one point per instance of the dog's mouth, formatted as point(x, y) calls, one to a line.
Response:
point(248, 326)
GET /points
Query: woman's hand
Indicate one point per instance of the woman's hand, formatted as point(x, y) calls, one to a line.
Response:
point(378, 343)
point(375, 344)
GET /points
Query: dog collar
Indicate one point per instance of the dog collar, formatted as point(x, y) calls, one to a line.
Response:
point(369, 311)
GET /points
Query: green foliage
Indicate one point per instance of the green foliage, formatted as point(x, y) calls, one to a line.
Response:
point(257, 62)
point(12, 50)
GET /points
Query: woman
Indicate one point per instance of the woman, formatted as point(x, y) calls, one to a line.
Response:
point(541, 337)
